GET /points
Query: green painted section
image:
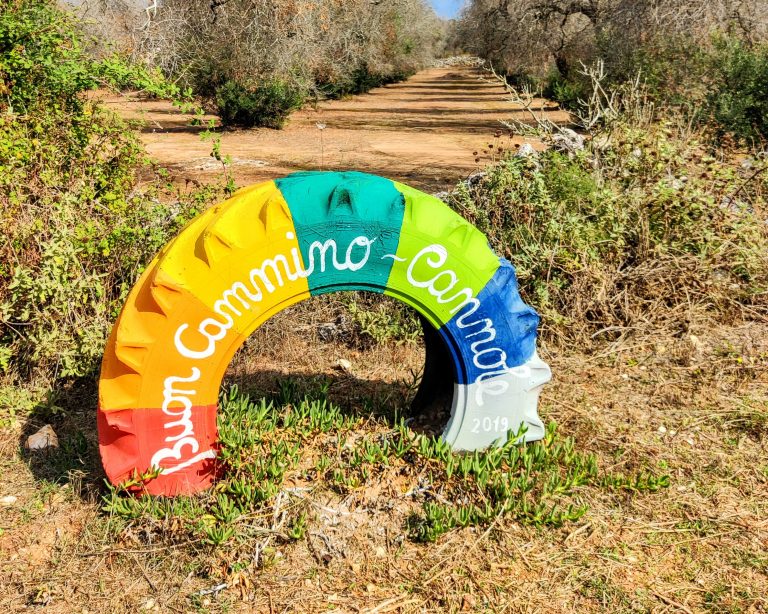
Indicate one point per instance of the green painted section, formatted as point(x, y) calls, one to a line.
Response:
point(441, 247)
point(346, 223)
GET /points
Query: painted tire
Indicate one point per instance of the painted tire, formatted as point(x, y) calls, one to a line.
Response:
point(274, 244)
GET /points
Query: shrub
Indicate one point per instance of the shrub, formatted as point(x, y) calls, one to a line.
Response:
point(567, 91)
point(78, 233)
point(43, 61)
point(266, 104)
point(360, 81)
point(257, 59)
point(41, 57)
point(737, 99)
point(76, 230)
point(639, 232)
point(122, 73)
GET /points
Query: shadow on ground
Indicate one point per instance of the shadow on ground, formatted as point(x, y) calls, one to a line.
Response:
point(72, 415)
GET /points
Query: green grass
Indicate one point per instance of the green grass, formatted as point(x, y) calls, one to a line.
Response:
point(312, 441)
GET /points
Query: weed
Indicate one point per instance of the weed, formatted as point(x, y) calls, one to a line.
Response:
point(262, 444)
point(383, 322)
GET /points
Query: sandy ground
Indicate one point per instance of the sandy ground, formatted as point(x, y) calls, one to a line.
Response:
point(422, 132)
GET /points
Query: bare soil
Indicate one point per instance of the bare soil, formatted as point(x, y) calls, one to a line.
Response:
point(422, 132)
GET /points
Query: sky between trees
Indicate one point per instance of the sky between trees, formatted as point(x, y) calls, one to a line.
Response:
point(447, 9)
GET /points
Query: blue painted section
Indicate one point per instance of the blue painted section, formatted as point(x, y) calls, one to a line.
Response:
point(513, 338)
point(342, 208)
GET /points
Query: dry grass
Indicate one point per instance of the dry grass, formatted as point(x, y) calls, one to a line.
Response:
point(693, 406)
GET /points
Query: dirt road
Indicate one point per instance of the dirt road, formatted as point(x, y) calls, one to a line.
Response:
point(422, 131)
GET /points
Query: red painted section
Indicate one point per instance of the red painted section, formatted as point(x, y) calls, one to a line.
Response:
point(182, 443)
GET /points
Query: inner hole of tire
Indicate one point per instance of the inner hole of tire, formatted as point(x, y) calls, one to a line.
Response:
point(363, 351)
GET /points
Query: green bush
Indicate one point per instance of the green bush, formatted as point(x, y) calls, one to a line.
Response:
point(627, 234)
point(737, 99)
point(76, 230)
point(41, 57)
point(382, 322)
point(723, 85)
point(359, 81)
point(121, 73)
point(267, 104)
point(78, 234)
point(567, 91)
point(43, 61)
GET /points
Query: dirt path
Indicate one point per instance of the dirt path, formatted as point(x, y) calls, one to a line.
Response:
point(422, 131)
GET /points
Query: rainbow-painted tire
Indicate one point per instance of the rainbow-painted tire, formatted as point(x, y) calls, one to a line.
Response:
point(272, 245)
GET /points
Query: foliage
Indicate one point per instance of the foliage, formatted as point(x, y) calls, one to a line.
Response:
point(43, 62)
point(41, 58)
point(255, 61)
point(707, 59)
point(629, 233)
point(76, 229)
point(383, 321)
point(264, 444)
point(737, 100)
point(120, 72)
point(360, 81)
point(72, 254)
point(268, 103)
point(723, 84)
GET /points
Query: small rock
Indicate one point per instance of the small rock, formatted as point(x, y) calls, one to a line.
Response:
point(344, 365)
point(662, 429)
point(327, 332)
point(526, 151)
point(381, 552)
point(44, 438)
point(475, 178)
point(567, 141)
point(148, 604)
point(677, 184)
point(8, 501)
point(696, 343)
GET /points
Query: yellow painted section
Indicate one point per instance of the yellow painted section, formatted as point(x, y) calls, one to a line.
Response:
point(253, 230)
point(140, 354)
point(203, 282)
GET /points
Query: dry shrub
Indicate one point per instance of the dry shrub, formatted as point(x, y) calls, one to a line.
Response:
point(533, 36)
point(707, 58)
point(639, 233)
point(300, 47)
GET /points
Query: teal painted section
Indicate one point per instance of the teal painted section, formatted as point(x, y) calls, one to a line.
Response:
point(346, 223)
